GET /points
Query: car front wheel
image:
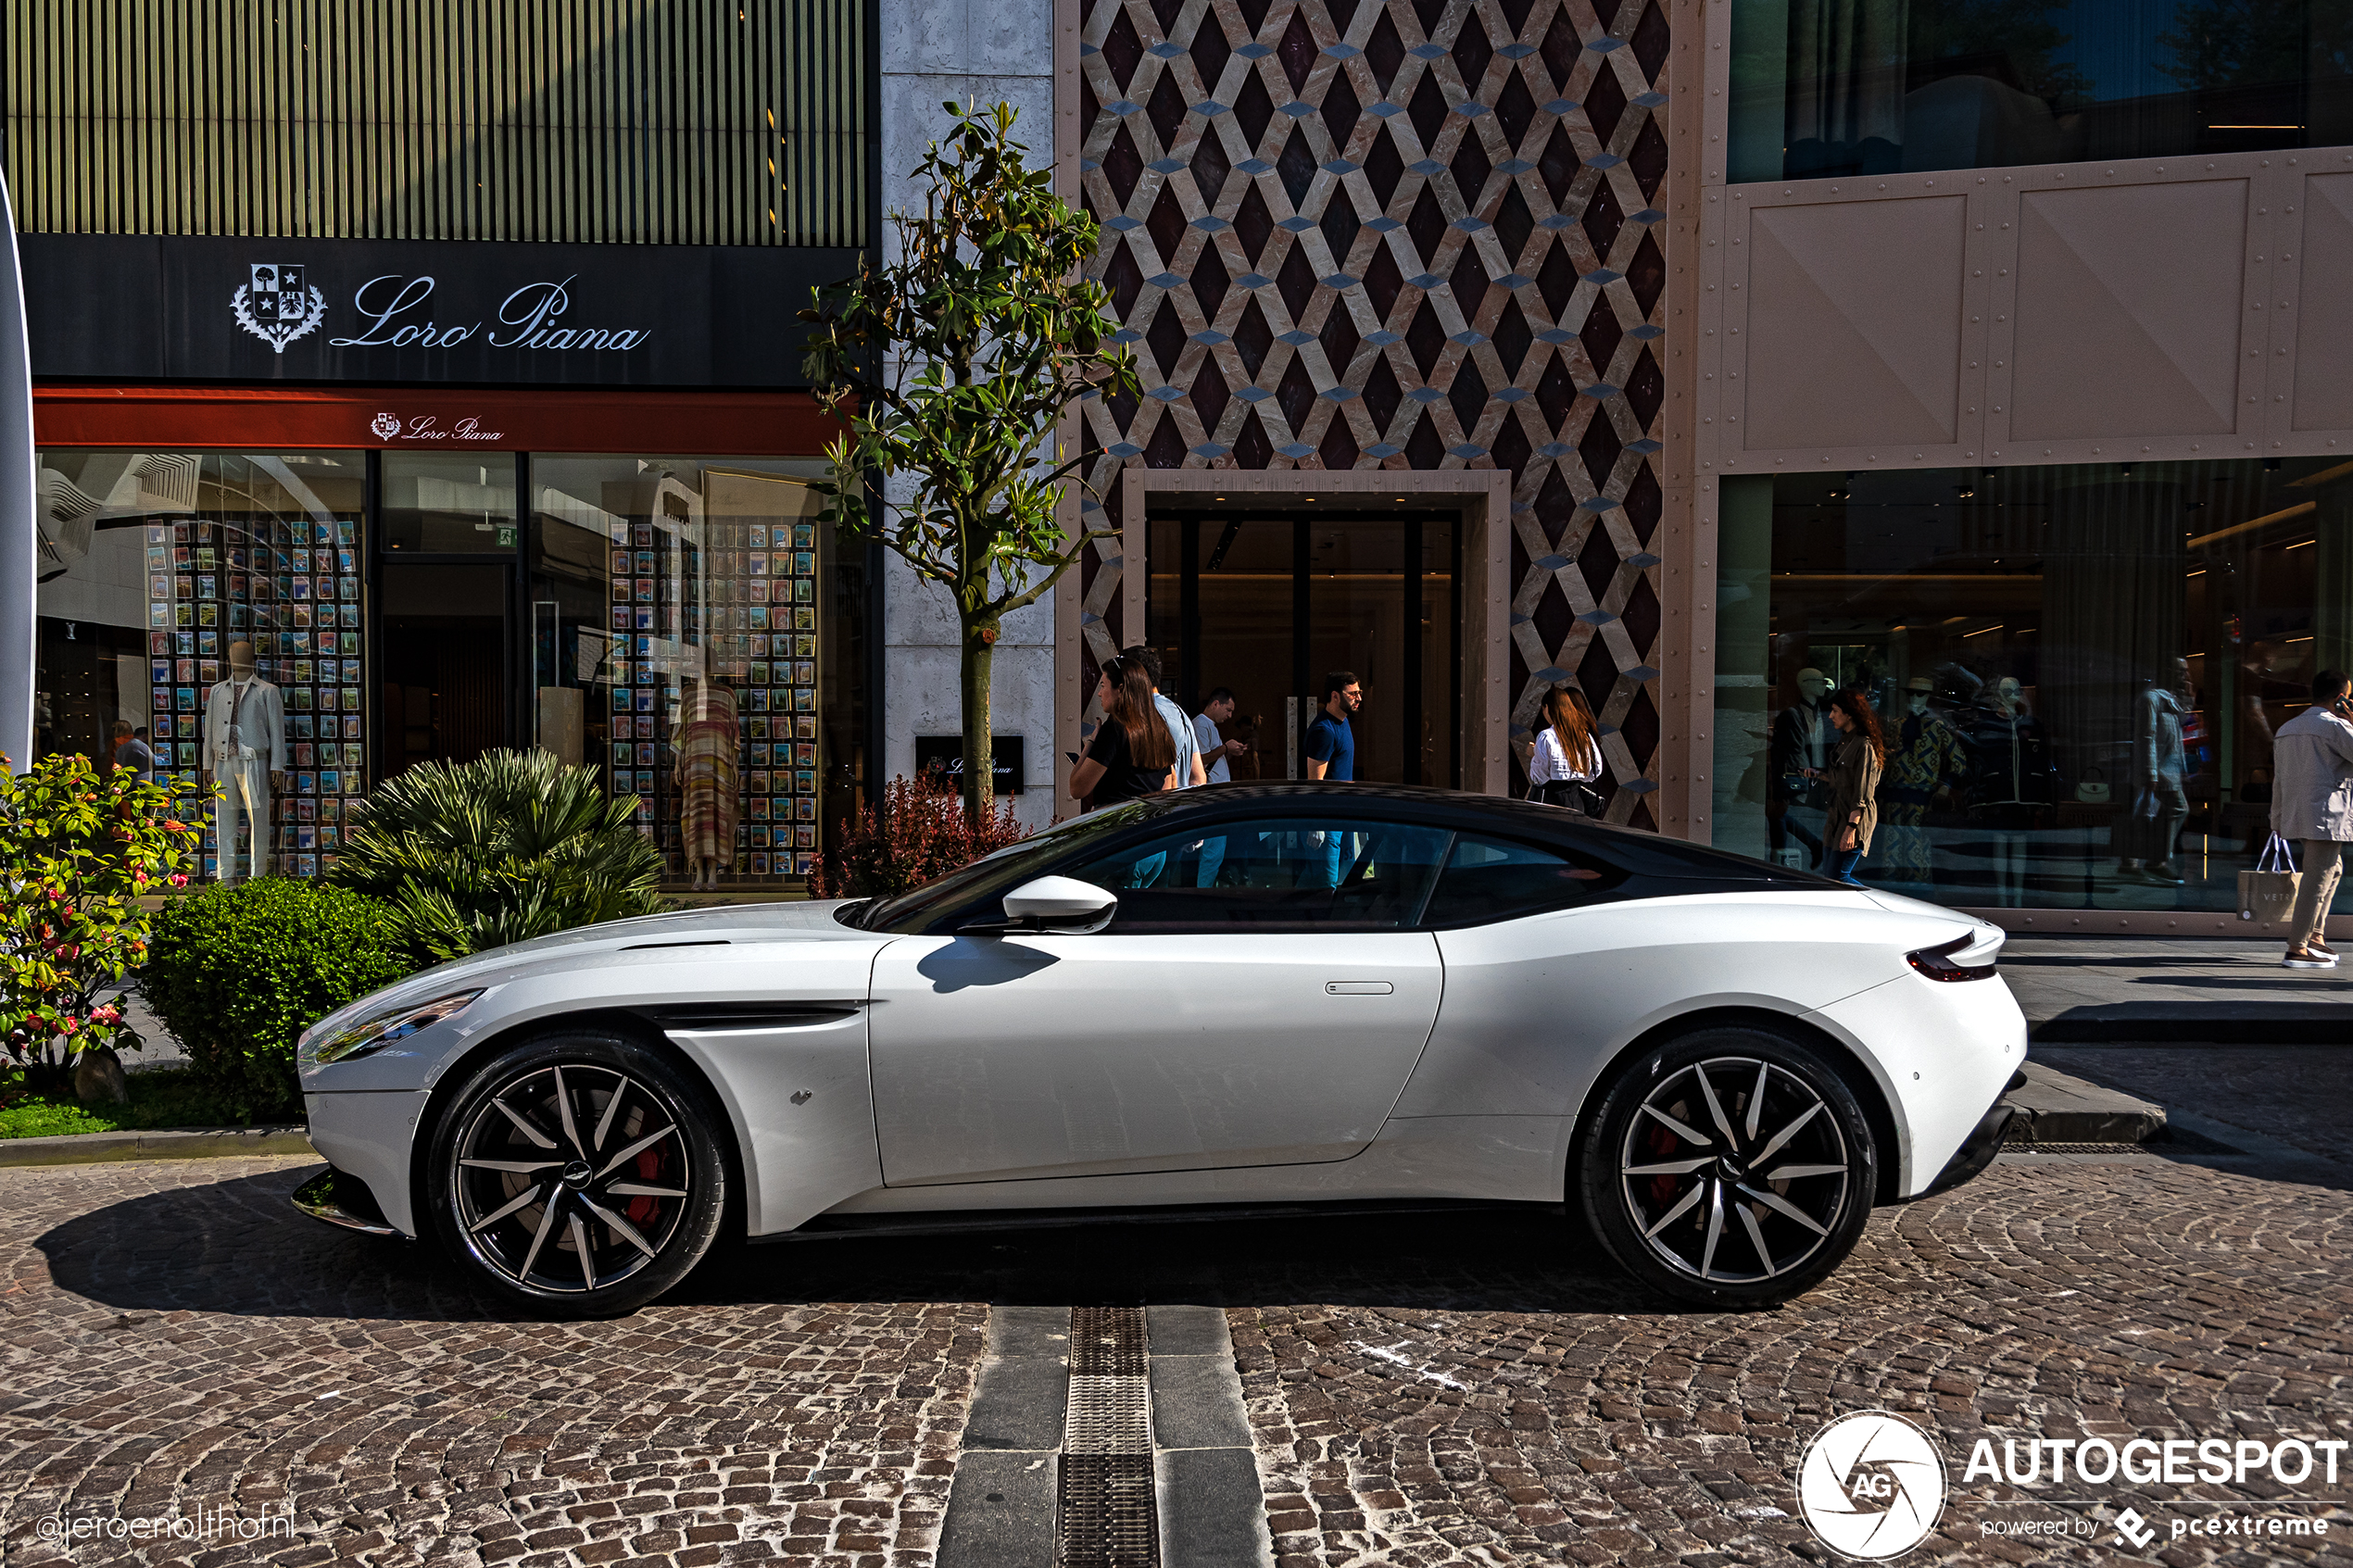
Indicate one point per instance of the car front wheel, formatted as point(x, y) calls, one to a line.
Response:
point(1732, 1167)
point(577, 1174)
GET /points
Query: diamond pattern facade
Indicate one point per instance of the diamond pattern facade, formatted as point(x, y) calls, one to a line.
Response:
point(1418, 234)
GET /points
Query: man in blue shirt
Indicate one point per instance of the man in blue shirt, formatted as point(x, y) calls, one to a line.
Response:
point(1331, 745)
point(1331, 756)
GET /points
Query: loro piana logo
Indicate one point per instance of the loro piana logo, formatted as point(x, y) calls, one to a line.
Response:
point(1872, 1485)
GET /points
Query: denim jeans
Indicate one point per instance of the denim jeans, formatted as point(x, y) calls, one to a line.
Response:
point(1841, 863)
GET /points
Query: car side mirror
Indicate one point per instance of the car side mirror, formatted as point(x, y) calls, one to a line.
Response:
point(1053, 903)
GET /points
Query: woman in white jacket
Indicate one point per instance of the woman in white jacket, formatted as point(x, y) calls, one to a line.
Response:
point(1568, 756)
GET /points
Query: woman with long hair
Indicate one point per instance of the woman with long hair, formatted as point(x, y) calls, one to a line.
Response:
point(1853, 777)
point(1568, 754)
point(1132, 754)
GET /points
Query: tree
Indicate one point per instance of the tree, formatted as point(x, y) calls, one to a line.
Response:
point(951, 367)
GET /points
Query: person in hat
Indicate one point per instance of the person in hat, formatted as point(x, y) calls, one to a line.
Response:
point(1925, 761)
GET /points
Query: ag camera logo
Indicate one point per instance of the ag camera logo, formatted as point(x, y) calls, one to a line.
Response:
point(1872, 1485)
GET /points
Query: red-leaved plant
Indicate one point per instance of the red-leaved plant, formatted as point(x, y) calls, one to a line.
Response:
point(80, 849)
point(919, 832)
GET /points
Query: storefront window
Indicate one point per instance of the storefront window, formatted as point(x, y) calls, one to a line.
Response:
point(2077, 669)
point(692, 629)
point(1882, 86)
point(235, 579)
point(459, 504)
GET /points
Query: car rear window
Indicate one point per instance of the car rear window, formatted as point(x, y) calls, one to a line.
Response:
point(1493, 879)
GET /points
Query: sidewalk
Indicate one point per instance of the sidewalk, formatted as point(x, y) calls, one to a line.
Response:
point(2175, 988)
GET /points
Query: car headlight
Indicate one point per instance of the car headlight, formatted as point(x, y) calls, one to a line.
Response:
point(1964, 957)
point(379, 1030)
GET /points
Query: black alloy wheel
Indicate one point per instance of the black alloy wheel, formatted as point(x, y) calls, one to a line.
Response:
point(1732, 1168)
point(577, 1172)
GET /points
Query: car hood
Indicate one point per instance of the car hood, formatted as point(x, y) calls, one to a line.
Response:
point(736, 924)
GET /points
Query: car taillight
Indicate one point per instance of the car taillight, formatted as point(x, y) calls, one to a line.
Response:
point(1941, 962)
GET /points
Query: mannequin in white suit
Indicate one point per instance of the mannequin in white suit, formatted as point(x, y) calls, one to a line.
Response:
point(245, 749)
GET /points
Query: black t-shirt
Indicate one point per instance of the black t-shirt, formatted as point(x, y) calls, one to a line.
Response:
point(1121, 779)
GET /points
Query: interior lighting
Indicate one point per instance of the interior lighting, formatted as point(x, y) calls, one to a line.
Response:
point(2300, 544)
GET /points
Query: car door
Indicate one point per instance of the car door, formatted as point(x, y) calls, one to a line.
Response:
point(1260, 999)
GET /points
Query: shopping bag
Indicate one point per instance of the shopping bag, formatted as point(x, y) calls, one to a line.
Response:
point(2267, 893)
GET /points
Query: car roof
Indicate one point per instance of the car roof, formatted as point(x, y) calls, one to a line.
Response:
point(1635, 849)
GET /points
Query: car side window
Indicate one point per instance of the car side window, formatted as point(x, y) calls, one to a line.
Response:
point(1491, 879)
point(1320, 873)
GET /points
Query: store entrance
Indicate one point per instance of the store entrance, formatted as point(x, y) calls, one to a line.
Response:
point(1265, 603)
point(444, 672)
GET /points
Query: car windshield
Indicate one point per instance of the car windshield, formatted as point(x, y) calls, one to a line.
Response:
point(993, 875)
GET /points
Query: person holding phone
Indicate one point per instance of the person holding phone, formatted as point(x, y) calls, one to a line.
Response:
point(1216, 752)
point(1131, 755)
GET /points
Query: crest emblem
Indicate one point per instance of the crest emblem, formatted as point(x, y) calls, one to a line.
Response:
point(385, 425)
point(276, 306)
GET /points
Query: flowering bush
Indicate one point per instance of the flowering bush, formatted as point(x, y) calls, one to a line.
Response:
point(78, 849)
point(919, 832)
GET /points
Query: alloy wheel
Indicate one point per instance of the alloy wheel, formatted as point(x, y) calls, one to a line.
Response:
point(1733, 1170)
point(572, 1177)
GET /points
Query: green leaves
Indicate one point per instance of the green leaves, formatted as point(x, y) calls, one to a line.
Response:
point(511, 846)
point(239, 971)
point(81, 848)
point(951, 367)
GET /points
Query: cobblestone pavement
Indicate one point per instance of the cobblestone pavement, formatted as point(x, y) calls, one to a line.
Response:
point(1450, 1389)
point(178, 1341)
point(2300, 1095)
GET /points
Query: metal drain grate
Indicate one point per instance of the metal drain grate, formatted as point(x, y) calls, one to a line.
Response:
point(1106, 1512)
point(1106, 1342)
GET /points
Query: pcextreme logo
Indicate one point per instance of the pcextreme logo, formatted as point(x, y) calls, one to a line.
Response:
point(1872, 1485)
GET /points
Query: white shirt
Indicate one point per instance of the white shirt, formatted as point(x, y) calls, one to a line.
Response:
point(1206, 739)
point(1550, 763)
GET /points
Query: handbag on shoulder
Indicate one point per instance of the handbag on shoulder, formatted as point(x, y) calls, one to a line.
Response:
point(1575, 794)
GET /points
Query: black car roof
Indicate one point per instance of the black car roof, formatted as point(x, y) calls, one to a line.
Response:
point(1645, 853)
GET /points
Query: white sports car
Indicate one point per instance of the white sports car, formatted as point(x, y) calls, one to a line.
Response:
point(1253, 996)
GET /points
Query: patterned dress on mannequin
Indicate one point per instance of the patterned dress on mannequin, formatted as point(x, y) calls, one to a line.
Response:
point(706, 744)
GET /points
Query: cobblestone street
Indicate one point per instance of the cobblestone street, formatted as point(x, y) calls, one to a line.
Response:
point(1426, 1389)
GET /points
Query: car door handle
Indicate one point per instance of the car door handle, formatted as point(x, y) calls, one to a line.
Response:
point(1357, 987)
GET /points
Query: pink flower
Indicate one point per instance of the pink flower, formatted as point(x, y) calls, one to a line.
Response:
point(68, 1024)
point(179, 879)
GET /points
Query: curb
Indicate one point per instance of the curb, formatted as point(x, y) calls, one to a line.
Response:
point(175, 1143)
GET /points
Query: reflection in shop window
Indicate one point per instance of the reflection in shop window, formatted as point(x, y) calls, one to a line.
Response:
point(179, 563)
point(2079, 668)
point(1826, 88)
point(685, 633)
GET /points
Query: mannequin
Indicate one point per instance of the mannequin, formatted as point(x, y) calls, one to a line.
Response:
point(1802, 739)
point(245, 749)
point(1925, 761)
point(2012, 782)
point(706, 743)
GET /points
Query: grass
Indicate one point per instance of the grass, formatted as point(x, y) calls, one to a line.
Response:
point(163, 1096)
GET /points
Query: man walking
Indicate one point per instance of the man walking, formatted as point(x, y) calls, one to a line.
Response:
point(1216, 715)
point(1331, 745)
point(2312, 803)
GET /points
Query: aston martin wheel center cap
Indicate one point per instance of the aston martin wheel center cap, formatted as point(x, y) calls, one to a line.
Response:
point(576, 1174)
point(1730, 1167)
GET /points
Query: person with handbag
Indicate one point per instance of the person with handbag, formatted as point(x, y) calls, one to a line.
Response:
point(1568, 757)
point(2312, 803)
point(1853, 777)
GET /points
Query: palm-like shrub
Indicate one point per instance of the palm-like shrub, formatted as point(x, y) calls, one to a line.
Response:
point(510, 845)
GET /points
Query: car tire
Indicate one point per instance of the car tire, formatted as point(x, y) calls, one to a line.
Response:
point(578, 1173)
point(1715, 1194)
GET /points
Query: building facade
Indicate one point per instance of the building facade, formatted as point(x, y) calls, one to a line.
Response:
point(1705, 357)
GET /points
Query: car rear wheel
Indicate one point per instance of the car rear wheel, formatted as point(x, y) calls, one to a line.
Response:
point(578, 1173)
point(1732, 1167)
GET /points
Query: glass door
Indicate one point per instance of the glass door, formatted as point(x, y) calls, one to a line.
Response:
point(1263, 604)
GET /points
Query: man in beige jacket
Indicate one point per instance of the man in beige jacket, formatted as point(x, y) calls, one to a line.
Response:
point(2312, 803)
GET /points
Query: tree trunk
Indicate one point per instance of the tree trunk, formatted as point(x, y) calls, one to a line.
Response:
point(980, 758)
